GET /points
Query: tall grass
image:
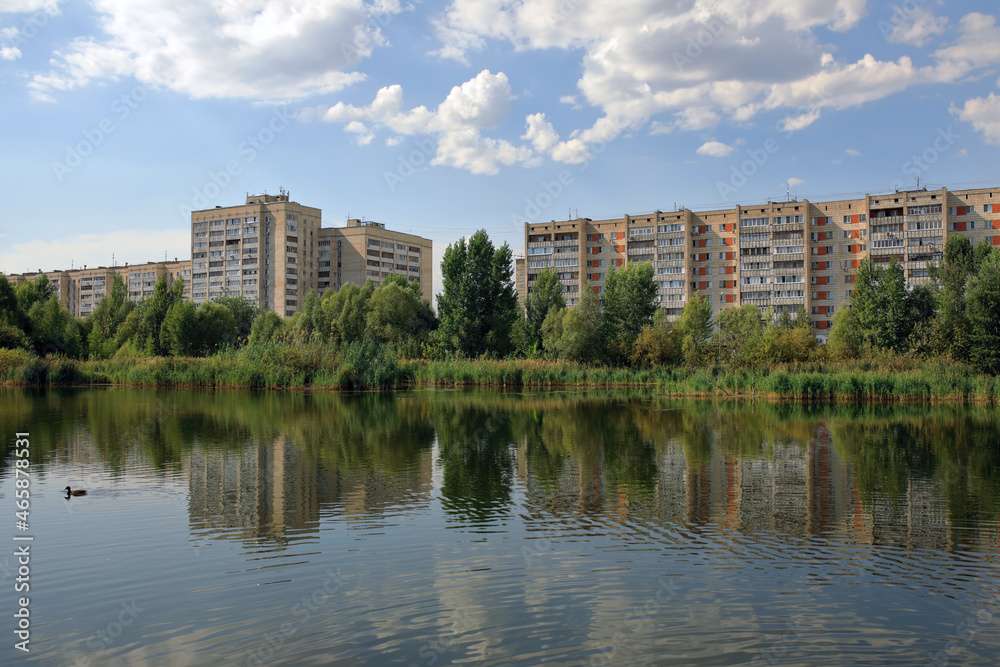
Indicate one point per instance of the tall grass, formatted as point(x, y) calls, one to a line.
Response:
point(364, 365)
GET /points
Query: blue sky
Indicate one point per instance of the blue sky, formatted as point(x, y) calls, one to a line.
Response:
point(444, 117)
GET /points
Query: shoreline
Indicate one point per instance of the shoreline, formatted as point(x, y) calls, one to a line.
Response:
point(906, 382)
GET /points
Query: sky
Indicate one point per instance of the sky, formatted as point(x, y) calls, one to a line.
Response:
point(444, 117)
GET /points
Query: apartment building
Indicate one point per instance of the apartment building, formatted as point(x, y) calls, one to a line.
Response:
point(80, 290)
point(274, 251)
point(365, 250)
point(779, 255)
point(263, 250)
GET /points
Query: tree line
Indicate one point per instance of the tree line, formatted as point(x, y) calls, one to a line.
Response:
point(955, 315)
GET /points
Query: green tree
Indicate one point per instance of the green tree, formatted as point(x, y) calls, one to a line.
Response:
point(695, 329)
point(740, 336)
point(960, 262)
point(478, 307)
point(581, 329)
point(179, 333)
point(266, 328)
point(845, 340)
point(790, 339)
point(53, 329)
point(983, 305)
point(658, 344)
point(216, 328)
point(392, 314)
point(107, 318)
point(629, 305)
point(546, 294)
point(243, 310)
point(552, 332)
point(880, 304)
point(344, 314)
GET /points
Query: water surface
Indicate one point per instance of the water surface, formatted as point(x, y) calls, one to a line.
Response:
point(446, 527)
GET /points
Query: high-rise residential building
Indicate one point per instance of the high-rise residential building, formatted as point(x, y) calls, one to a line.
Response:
point(778, 255)
point(274, 251)
point(264, 250)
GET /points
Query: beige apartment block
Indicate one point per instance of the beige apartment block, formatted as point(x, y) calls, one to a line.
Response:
point(80, 290)
point(264, 250)
point(365, 250)
point(779, 256)
point(274, 251)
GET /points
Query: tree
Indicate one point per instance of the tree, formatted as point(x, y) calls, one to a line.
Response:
point(552, 332)
point(392, 314)
point(216, 328)
point(658, 343)
point(53, 329)
point(960, 261)
point(791, 339)
point(695, 329)
point(629, 305)
point(266, 328)
point(344, 313)
point(546, 295)
point(179, 333)
point(243, 310)
point(581, 329)
point(880, 305)
point(107, 318)
point(983, 305)
point(740, 336)
point(845, 340)
point(479, 305)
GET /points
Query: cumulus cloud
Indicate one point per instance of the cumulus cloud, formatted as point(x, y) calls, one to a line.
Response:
point(978, 44)
point(983, 113)
point(715, 149)
point(795, 182)
point(458, 123)
point(260, 49)
point(9, 53)
point(853, 152)
point(677, 65)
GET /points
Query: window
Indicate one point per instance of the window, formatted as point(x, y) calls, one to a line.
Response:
point(987, 208)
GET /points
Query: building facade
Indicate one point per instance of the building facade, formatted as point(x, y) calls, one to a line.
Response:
point(274, 251)
point(270, 250)
point(80, 290)
point(779, 255)
point(365, 250)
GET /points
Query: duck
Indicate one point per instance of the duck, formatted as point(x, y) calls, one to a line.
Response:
point(78, 492)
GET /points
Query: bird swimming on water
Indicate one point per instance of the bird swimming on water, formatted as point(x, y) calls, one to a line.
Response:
point(78, 492)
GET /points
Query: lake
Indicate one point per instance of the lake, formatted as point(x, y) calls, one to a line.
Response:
point(502, 528)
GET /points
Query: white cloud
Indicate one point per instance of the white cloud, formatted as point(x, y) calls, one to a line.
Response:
point(984, 115)
point(916, 26)
point(794, 182)
point(134, 246)
point(962, 153)
point(26, 6)
point(715, 149)
point(9, 53)
point(853, 152)
point(480, 103)
point(978, 44)
point(260, 49)
point(704, 62)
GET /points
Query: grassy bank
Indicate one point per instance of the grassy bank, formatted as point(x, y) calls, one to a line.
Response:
point(365, 366)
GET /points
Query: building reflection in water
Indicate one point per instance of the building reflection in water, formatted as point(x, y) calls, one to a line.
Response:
point(275, 466)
